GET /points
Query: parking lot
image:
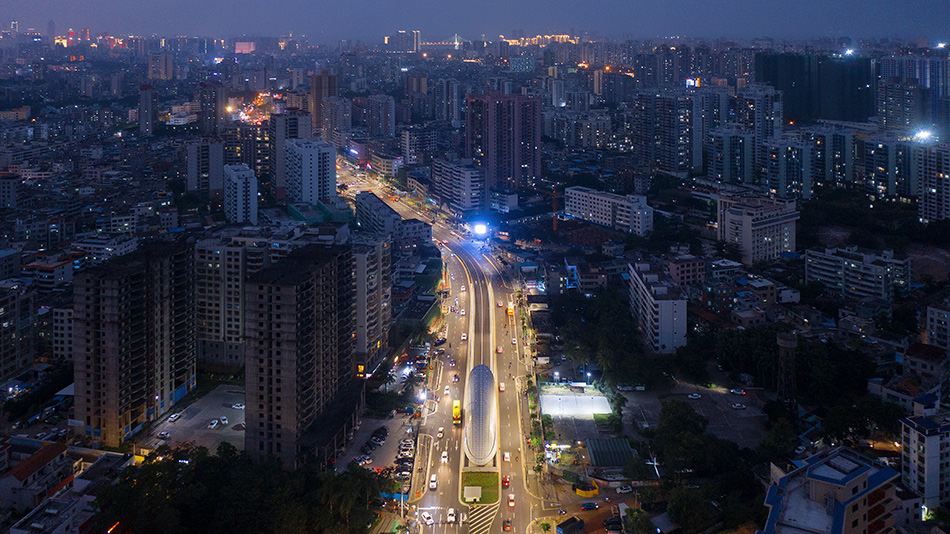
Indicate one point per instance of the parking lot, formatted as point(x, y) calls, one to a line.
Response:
point(192, 426)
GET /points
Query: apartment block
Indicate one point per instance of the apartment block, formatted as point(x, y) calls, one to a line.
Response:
point(628, 213)
point(762, 228)
point(853, 273)
point(133, 340)
point(658, 307)
point(300, 332)
point(372, 262)
point(17, 330)
point(240, 194)
point(460, 185)
point(925, 438)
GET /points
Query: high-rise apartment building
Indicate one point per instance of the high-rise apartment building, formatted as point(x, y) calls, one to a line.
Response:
point(213, 106)
point(460, 185)
point(148, 110)
point(503, 137)
point(206, 167)
point(658, 307)
point(160, 66)
point(762, 228)
point(448, 99)
point(300, 331)
point(133, 339)
point(925, 438)
point(372, 263)
point(628, 213)
point(247, 144)
point(323, 85)
point(17, 327)
point(790, 171)
point(933, 169)
point(889, 169)
point(759, 108)
point(730, 155)
point(901, 104)
point(416, 144)
point(294, 124)
point(337, 115)
point(381, 116)
point(310, 170)
point(240, 194)
point(665, 135)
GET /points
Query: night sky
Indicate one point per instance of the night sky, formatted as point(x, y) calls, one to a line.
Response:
point(325, 22)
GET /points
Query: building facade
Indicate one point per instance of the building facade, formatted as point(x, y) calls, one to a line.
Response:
point(628, 213)
point(762, 228)
point(311, 170)
point(240, 194)
point(658, 307)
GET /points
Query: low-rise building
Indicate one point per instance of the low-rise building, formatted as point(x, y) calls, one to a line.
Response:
point(686, 269)
point(628, 213)
point(855, 274)
point(33, 480)
point(762, 228)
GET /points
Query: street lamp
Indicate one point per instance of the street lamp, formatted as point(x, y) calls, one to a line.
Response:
point(588, 378)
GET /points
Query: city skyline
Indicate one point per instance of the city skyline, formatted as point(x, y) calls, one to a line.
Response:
point(369, 20)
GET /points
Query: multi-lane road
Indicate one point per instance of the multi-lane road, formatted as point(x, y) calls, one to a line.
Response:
point(476, 285)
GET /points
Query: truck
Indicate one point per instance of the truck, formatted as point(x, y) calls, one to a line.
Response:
point(574, 525)
point(457, 412)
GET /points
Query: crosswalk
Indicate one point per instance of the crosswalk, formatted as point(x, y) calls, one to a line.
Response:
point(480, 518)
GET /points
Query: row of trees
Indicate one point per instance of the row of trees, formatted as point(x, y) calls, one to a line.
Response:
point(189, 490)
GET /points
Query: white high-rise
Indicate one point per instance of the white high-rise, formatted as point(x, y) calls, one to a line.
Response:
point(311, 170)
point(240, 194)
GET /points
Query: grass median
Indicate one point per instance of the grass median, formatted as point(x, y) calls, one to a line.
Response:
point(487, 481)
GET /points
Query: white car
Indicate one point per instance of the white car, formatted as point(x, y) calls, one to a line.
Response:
point(464, 336)
point(163, 435)
point(433, 482)
point(507, 456)
point(174, 417)
point(501, 386)
point(213, 424)
point(514, 341)
point(625, 489)
point(511, 499)
point(461, 312)
point(445, 457)
point(446, 391)
point(427, 518)
point(450, 516)
point(441, 432)
point(238, 406)
point(738, 406)
point(224, 420)
point(462, 288)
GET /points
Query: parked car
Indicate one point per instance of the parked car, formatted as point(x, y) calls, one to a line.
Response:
point(174, 417)
point(694, 396)
point(238, 406)
point(625, 489)
point(624, 388)
point(738, 406)
point(213, 424)
point(224, 420)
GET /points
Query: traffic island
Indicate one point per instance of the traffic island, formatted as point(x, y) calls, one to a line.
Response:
point(487, 481)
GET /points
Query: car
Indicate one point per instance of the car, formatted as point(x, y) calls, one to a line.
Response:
point(446, 391)
point(506, 526)
point(427, 518)
point(372, 446)
point(450, 516)
point(441, 432)
point(612, 521)
point(505, 481)
point(589, 506)
point(365, 460)
point(452, 364)
point(737, 391)
point(405, 455)
point(738, 406)
point(624, 388)
point(433, 481)
point(163, 435)
point(507, 456)
point(511, 499)
point(213, 424)
point(440, 341)
point(382, 430)
point(800, 449)
point(403, 475)
point(625, 489)
point(455, 378)
point(378, 440)
point(406, 448)
point(238, 406)
point(498, 350)
point(694, 396)
point(461, 312)
point(224, 420)
point(501, 386)
point(174, 417)
point(406, 441)
point(501, 304)
point(464, 336)
point(514, 341)
point(462, 288)
point(445, 457)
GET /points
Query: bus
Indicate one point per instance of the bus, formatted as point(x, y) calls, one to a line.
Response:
point(511, 308)
point(457, 412)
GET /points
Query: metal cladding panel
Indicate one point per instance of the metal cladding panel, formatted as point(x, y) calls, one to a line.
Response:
point(481, 412)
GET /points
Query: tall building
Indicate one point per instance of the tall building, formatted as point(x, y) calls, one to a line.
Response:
point(448, 98)
point(337, 115)
point(372, 260)
point(658, 307)
point(294, 124)
point(213, 108)
point(148, 110)
point(931, 72)
point(762, 228)
point(405, 41)
point(628, 213)
point(730, 155)
point(924, 439)
point(851, 273)
point(17, 327)
point(247, 144)
point(310, 170)
point(299, 333)
point(790, 171)
point(416, 144)
point(933, 162)
point(900, 104)
point(206, 167)
point(160, 66)
point(460, 185)
point(837, 491)
point(667, 134)
point(889, 167)
point(322, 86)
point(937, 329)
point(240, 194)
point(133, 339)
point(381, 116)
point(503, 137)
point(759, 108)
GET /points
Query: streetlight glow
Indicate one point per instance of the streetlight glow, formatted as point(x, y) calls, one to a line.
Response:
point(480, 228)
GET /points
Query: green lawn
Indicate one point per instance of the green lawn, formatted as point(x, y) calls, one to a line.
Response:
point(600, 419)
point(488, 482)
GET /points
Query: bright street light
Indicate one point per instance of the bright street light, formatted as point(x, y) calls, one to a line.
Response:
point(480, 228)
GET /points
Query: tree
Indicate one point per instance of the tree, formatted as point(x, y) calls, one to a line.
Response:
point(690, 509)
point(545, 526)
